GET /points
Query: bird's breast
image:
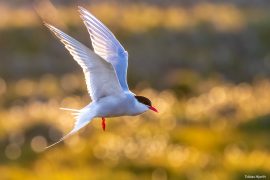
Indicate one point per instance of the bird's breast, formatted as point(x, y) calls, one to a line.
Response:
point(114, 106)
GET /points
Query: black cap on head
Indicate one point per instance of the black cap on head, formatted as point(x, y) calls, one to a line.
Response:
point(144, 100)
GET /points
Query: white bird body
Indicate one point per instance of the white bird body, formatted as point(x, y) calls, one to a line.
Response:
point(113, 106)
point(105, 73)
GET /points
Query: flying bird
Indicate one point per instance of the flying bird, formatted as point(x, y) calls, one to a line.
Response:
point(105, 71)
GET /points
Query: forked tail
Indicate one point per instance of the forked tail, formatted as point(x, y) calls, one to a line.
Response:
point(82, 117)
point(69, 109)
point(74, 112)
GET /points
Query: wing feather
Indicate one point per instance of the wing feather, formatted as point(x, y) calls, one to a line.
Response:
point(107, 46)
point(100, 76)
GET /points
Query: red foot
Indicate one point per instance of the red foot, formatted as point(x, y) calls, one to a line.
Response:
point(103, 123)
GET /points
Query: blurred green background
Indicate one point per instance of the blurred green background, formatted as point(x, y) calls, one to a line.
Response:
point(204, 64)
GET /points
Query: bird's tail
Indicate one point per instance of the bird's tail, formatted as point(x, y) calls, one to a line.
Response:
point(69, 109)
point(83, 117)
point(75, 112)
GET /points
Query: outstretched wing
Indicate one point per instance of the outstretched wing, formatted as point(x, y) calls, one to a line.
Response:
point(107, 46)
point(100, 76)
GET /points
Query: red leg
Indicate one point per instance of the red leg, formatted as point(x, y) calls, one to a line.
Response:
point(103, 123)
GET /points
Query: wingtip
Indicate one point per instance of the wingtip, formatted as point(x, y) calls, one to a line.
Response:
point(81, 9)
point(47, 25)
point(84, 11)
point(52, 28)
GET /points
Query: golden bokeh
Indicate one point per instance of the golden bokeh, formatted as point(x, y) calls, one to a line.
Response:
point(208, 126)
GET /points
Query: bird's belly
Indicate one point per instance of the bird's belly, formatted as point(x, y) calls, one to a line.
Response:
point(115, 107)
point(115, 111)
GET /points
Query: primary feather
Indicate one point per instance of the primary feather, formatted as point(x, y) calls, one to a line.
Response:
point(107, 46)
point(100, 76)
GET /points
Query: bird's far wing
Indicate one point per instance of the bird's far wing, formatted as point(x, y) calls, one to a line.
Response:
point(107, 46)
point(100, 76)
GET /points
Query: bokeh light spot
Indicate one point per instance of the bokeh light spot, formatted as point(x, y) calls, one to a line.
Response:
point(38, 144)
point(13, 151)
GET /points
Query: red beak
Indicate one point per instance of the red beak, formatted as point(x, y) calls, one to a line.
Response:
point(153, 109)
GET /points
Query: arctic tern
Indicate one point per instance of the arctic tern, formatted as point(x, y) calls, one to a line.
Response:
point(105, 71)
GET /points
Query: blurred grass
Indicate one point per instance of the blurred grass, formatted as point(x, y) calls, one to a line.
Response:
point(201, 134)
point(206, 69)
point(133, 17)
